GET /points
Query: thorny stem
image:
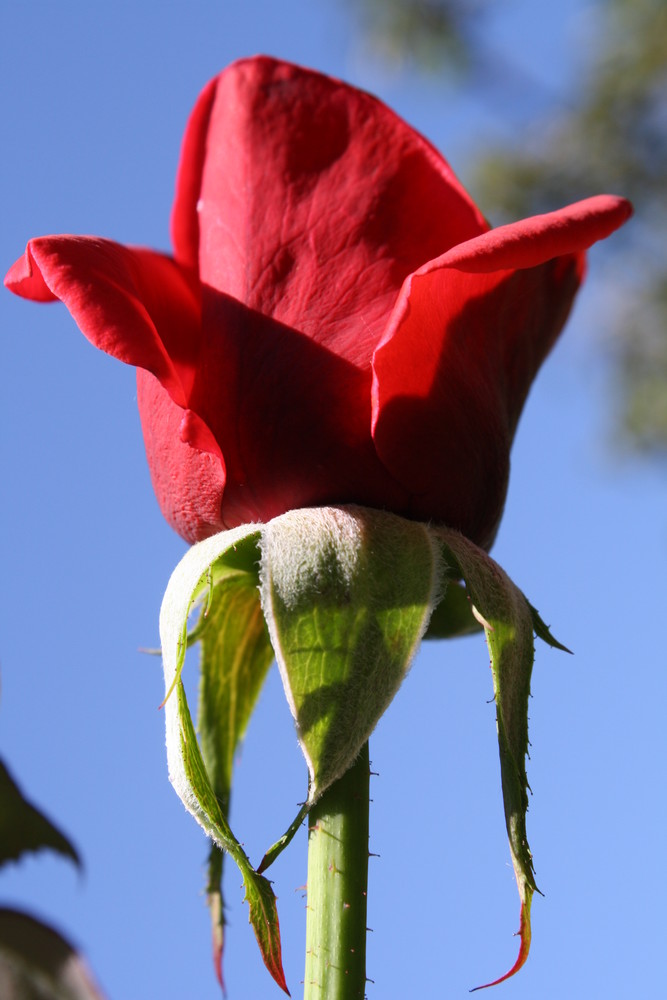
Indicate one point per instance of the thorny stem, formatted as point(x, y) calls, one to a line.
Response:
point(337, 883)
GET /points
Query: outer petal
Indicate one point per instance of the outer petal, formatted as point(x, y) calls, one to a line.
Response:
point(533, 241)
point(316, 201)
point(290, 417)
point(188, 483)
point(466, 339)
point(185, 216)
point(135, 304)
point(144, 309)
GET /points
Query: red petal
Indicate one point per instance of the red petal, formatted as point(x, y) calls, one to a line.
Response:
point(136, 305)
point(291, 419)
point(188, 483)
point(24, 280)
point(540, 238)
point(316, 202)
point(184, 216)
point(460, 352)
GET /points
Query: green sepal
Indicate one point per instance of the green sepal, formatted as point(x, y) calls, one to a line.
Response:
point(509, 621)
point(235, 655)
point(543, 632)
point(347, 593)
point(263, 914)
point(24, 828)
point(286, 839)
point(221, 572)
point(453, 616)
point(216, 908)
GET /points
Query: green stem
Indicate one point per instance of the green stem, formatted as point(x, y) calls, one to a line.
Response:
point(337, 882)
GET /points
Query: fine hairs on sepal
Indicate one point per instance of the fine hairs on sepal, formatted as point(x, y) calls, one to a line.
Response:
point(367, 581)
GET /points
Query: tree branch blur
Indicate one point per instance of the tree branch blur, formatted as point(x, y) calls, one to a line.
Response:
point(425, 34)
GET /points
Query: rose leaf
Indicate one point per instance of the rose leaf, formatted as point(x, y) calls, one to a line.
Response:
point(35, 961)
point(24, 828)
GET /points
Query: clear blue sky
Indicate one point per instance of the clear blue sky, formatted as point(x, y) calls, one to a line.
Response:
point(95, 97)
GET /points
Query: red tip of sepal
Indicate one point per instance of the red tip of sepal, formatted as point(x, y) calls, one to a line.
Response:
point(218, 945)
point(264, 919)
point(524, 934)
point(279, 978)
point(273, 962)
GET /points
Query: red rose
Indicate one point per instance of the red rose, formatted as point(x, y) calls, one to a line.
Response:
point(337, 324)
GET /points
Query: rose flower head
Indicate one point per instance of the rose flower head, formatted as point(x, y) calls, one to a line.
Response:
point(337, 324)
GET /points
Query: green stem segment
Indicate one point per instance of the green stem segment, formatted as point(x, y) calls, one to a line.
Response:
point(337, 883)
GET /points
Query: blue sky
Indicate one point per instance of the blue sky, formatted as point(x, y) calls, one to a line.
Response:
point(95, 98)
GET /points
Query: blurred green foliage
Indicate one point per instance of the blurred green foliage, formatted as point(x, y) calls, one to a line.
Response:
point(426, 34)
point(605, 131)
